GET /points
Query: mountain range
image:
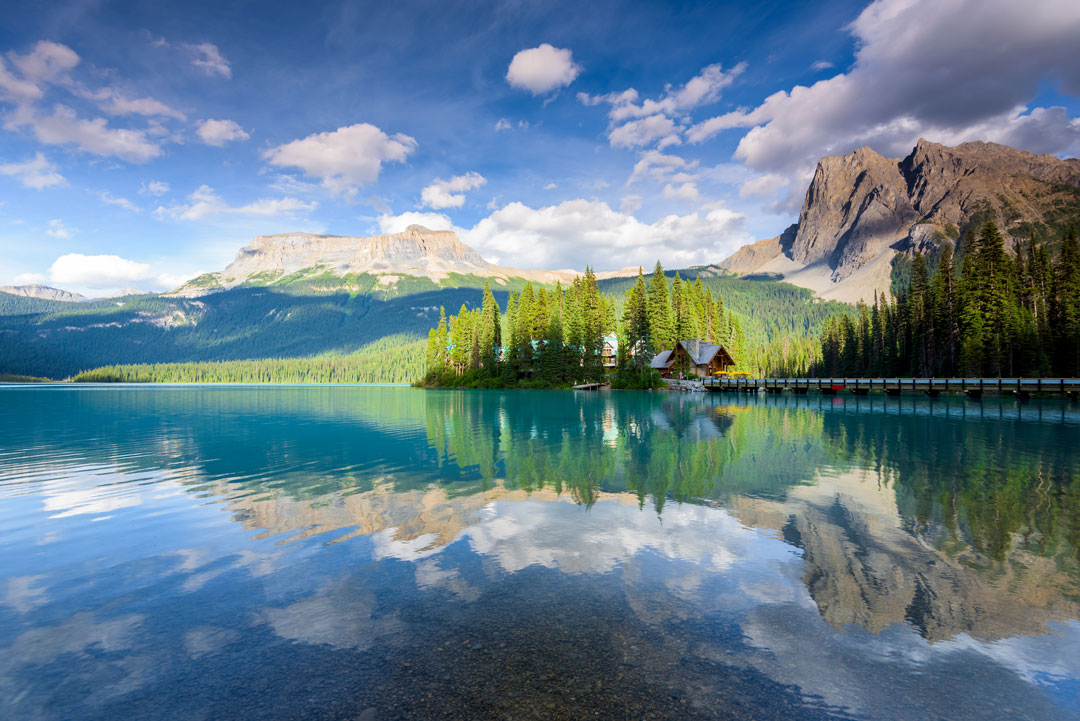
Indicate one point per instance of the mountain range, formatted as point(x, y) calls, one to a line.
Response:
point(299, 294)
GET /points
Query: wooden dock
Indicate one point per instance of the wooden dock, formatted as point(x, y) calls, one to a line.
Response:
point(972, 387)
point(589, 386)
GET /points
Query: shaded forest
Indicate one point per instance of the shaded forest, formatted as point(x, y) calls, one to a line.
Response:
point(980, 312)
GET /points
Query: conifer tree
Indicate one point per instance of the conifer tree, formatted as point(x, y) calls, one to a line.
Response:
point(945, 312)
point(1066, 304)
point(490, 335)
point(635, 317)
point(659, 311)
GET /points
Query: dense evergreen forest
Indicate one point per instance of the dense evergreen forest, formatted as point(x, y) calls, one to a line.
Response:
point(781, 323)
point(394, 359)
point(546, 339)
point(980, 313)
point(556, 338)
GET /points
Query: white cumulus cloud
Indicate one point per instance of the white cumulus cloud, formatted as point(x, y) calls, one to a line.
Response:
point(48, 66)
point(542, 69)
point(57, 229)
point(110, 199)
point(113, 102)
point(220, 132)
point(102, 275)
point(343, 159)
point(389, 223)
point(450, 193)
point(685, 191)
point(947, 71)
point(762, 185)
point(635, 123)
point(208, 58)
point(205, 203)
point(64, 127)
point(579, 232)
point(97, 271)
point(644, 132)
point(48, 62)
point(35, 173)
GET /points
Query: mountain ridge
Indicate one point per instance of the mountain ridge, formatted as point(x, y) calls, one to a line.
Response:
point(862, 210)
point(43, 292)
point(417, 251)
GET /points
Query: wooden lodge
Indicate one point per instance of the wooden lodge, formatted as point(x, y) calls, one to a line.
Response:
point(693, 357)
point(610, 351)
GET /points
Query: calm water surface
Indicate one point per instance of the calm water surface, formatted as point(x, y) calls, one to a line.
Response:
point(390, 553)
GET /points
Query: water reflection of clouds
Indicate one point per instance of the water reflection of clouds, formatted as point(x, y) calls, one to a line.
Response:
point(92, 648)
point(342, 614)
point(572, 539)
point(757, 578)
point(78, 499)
point(897, 674)
point(24, 593)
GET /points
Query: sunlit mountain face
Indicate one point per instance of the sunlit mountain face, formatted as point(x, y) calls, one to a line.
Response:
point(232, 552)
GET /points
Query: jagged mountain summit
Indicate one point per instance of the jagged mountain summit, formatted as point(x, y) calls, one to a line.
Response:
point(43, 292)
point(863, 209)
point(346, 262)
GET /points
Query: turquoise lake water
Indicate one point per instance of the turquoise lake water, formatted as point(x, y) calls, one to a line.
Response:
point(390, 553)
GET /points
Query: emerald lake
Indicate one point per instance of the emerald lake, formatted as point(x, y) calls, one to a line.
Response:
point(376, 553)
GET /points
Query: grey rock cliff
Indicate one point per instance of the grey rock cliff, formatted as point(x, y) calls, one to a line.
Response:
point(417, 251)
point(862, 208)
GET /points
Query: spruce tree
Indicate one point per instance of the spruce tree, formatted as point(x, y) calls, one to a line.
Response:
point(659, 310)
point(1066, 305)
point(490, 331)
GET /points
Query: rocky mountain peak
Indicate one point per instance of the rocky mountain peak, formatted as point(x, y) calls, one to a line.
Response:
point(416, 251)
point(42, 291)
point(849, 210)
point(862, 208)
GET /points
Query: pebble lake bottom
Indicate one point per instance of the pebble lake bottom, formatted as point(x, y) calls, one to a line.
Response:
point(261, 552)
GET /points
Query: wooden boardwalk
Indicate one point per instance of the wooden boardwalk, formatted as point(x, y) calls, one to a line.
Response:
point(973, 387)
point(589, 386)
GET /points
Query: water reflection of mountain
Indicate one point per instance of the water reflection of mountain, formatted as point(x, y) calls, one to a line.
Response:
point(865, 567)
point(947, 515)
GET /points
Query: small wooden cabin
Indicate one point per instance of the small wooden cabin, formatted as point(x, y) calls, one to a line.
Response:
point(693, 357)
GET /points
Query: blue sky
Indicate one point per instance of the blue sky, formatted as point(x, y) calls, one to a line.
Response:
point(143, 142)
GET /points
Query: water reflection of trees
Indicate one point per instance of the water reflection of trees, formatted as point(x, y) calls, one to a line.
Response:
point(985, 483)
point(988, 483)
point(978, 475)
point(656, 446)
point(904, 510)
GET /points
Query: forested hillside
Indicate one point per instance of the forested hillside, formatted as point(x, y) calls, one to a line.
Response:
point(394, 359)
point(58, 339)
point(241, 324)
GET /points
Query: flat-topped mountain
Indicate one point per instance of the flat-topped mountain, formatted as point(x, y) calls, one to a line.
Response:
point(43, 292)
point(336, 261)
point(861, 209)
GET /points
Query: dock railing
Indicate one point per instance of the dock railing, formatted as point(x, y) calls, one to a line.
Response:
point(895, 386)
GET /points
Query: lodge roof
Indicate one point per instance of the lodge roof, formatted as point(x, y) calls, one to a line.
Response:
point(700, 354)
point(663, 359)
